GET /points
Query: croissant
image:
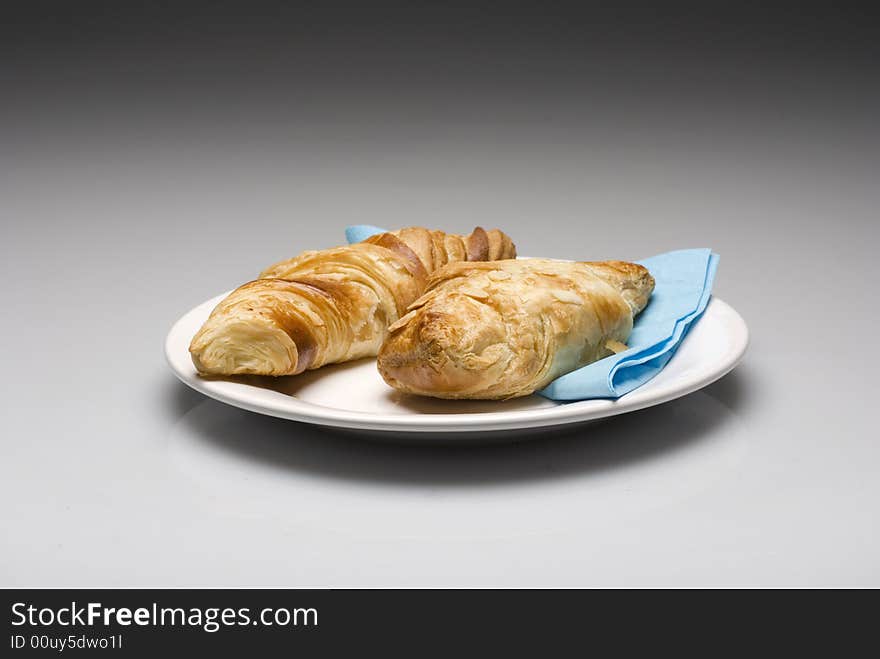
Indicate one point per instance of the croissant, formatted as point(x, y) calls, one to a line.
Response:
point(507, 329)
point(330, 306)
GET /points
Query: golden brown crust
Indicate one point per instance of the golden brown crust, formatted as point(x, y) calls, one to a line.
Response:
point(633, 280)
point(325, 306)
point(410, 258)
point(508, 328)
point(478, 245)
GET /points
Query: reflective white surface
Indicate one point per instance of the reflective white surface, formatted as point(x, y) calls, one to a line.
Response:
point(126, 204)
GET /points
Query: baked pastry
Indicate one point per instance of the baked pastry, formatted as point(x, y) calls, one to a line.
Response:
point(332, 305)
point(508, 328)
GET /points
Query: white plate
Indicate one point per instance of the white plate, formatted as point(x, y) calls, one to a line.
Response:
point(354, 395)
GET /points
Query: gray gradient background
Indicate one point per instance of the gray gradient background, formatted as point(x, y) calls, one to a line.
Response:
point(151, 159)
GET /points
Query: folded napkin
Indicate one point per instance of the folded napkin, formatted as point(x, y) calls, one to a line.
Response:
point(361, 232)
point(683, 286)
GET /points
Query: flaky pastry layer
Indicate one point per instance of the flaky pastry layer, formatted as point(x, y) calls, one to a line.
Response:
point(332, 305)
point(508, 328)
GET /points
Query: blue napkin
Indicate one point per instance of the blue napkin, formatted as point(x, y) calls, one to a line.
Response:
point(361, 232)
point(683, 287)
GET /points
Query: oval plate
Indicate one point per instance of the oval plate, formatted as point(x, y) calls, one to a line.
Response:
point(354, 396)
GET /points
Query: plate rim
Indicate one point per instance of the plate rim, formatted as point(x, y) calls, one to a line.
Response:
point(562, 414)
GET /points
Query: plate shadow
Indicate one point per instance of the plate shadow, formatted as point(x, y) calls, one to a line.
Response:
point(593, 447)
